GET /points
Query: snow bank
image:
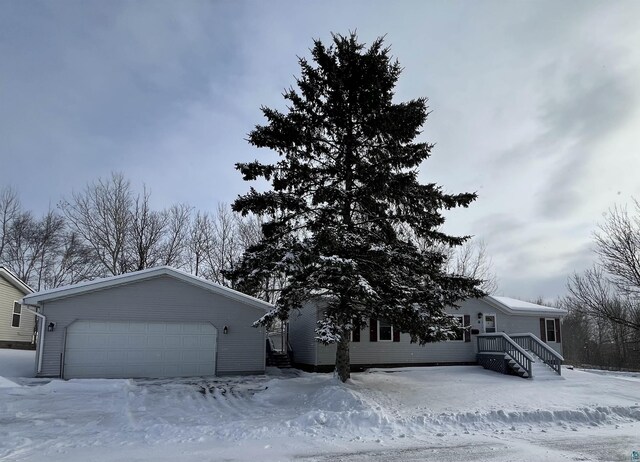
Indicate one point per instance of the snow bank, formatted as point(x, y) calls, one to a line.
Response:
point(6, 383)
point(17, 363)
point(301, 412)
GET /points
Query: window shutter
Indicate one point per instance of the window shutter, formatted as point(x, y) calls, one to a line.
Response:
point(396, 334)
point(543, 330)
point(356, 334)
point(373, 330)
point(558, 338)
point(466, 321)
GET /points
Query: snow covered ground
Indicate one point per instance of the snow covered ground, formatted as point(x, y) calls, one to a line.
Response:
point(439, 413)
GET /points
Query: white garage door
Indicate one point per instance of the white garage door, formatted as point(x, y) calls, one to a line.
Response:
point(109, 349)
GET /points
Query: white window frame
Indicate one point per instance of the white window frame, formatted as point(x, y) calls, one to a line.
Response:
point(379, 337)
point(546, 330)
point(495, 323)
point(13, 313)
point(351, 335)
point(462, 327)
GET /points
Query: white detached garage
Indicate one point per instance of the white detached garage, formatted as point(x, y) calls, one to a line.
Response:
point(159, 322)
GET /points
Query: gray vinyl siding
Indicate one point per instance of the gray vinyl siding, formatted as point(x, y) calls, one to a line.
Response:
point(8, 295)
point(512, 324)
point(366, 352)
point(302, 326)
point(165, 299)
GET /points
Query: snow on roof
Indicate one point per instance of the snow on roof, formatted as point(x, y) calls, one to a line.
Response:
point(103, 283)
point(521, 306)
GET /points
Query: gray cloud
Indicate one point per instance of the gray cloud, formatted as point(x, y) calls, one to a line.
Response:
point(592, 104)
point(166, 92)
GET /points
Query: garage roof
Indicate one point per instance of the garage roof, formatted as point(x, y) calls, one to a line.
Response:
point(104, 283)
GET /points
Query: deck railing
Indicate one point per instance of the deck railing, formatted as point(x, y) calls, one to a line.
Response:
point(502, 343)
point(548, 355)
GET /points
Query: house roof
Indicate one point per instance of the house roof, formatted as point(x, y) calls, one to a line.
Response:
point(12, 279)
point(128, 278)
point(515, 306)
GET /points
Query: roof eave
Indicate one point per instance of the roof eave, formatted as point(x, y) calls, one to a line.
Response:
point(14, 280)
point(539, 313)
point(100, 284)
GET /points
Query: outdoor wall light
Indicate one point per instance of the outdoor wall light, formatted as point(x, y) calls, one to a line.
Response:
point(225, 330)
point(479, 315)
point(51, 326)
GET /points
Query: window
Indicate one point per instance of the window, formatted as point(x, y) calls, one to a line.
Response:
point(17, 312)
point(385, 331)
point(490, 323)
point(550, 325)
point(355, 334)
point(460, 332)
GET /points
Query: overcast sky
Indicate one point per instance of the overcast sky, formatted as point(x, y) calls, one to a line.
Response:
point(535, 106)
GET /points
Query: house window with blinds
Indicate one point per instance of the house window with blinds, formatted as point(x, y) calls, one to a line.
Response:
point(550, 328)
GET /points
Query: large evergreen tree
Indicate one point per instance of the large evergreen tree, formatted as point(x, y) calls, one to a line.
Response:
point(345, 206)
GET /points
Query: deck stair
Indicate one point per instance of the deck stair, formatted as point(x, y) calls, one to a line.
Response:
point(516, 368)
point(279, 353)
point(280, 360)
point(542, 371)
point(524, 355)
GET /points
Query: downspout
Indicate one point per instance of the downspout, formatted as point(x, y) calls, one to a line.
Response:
point(43, 329)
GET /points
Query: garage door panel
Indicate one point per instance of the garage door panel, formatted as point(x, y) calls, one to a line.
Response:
point(139, 349)
point(134, 328)
point(132, 341)
point(115, 356)
point(158, 341)
point(173, 341)
point(78, 341)
point(204, 356)
point(173, 356)
point(157, 328)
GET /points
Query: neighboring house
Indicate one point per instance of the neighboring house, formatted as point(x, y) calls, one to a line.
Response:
point(158, 322)
point(485, 320)
point(16, 325)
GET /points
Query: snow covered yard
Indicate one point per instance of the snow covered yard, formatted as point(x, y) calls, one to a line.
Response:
point(440, 413)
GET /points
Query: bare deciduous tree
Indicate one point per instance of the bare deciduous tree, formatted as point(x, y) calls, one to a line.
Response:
point(225, 249)
point(472, 260)
point(48, 243)
point(145, 234)
point(108, 229)
point(608, 295)
point(73, 263)
point(32, 246)
point(618, 246)
point(9, 211)
point(592, 293)
point(199, 242)
point(174, 247)
point(100, 214)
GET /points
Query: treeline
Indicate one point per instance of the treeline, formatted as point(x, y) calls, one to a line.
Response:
point(109, 229)
point(603, 325)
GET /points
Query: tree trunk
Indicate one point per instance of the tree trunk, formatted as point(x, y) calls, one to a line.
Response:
point(343, 363)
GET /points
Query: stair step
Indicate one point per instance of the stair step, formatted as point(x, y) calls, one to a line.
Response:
point(280, 360)
point(518, 369)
